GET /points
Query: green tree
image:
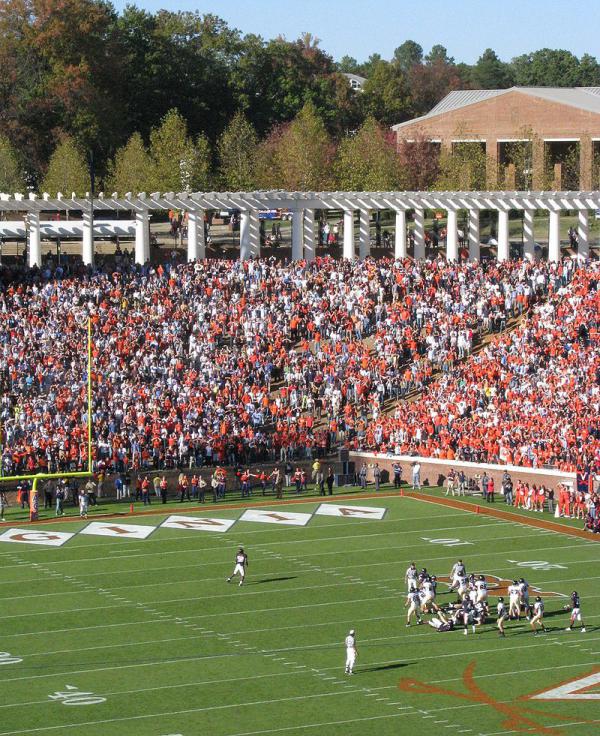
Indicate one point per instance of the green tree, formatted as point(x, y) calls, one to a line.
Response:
point(298, 157)
point(439, 53)
point(490, 73)
point(589, 71)
point(385, 95)
point(177, 163)
point(463, 168)
point(237, 149)
point(546, 68)
point(408, 54)
point(11, 171)
point(131, 168)
point(349, 65)
point(67, 170)
point(367, 161)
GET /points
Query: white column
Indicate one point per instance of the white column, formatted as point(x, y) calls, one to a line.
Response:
point(364, 241)
point(349, 234)
point(452, 236)
point(245, 252)
point(503, 244)
point(87, 253)
point(474, 236)
point(142, 237)
point(254, 233)
point(554, 236)
point(309, 235)
point(528, 236)
point(419, 235)
point(196, 244)
point(583, 234)
point(35, 242)
point(400, 235)
point(297, 242)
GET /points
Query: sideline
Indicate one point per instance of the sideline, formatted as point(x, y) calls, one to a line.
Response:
point(482, 509)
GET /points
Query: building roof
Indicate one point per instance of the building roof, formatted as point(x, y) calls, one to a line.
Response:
point(354, 77)
point(583, 98)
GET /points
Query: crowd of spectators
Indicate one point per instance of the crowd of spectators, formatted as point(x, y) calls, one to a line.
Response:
point(224, 362)
point(530, 397)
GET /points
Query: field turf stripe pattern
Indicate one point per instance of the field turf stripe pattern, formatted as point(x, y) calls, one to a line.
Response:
point(106, 636)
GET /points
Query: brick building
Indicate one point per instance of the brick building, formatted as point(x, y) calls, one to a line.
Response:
point(533, 137)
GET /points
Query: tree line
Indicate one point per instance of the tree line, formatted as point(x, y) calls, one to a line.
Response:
point(177, 100)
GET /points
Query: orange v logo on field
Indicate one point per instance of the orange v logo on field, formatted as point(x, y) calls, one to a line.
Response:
point(514, 718)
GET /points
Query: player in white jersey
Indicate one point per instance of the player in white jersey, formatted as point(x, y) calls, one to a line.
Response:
point(514, 600)
point(462, 587)
point(538, 615)
point(241, 563)
point(410, 577)
point(458, 571)
point(502, 614)
point(413, 603)
point(481, 590)
point(427, 594)
point(350, 643)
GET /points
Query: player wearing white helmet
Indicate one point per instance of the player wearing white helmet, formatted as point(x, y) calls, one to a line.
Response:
point(350, 643)
point(241, 563)
point(427, 594)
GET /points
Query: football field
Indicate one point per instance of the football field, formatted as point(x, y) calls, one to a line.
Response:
point(130, 628)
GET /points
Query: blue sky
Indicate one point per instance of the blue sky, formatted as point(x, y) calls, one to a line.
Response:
point(362, 27)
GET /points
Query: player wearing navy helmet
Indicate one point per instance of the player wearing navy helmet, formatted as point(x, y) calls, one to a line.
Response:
point(241, 563)
point(576, 612)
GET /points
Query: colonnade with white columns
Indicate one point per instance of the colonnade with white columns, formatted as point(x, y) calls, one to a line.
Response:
point(358, 210)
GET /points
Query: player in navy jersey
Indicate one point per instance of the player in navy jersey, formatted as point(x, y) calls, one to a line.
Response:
point(576, 612)
point(241, 563)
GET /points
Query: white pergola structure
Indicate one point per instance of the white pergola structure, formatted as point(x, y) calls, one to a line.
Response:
point(303, 206)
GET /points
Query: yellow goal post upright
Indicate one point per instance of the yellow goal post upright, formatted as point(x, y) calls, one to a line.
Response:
point(34, 478)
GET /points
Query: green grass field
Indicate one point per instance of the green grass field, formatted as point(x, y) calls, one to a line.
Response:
point(150, 628)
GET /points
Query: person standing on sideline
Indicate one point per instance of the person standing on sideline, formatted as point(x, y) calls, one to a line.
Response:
point(363, 476)
point(60, 498)
point(241, 563)
point(490, 490)
point(351, 652)
point(146, 491)
point(119, 487)
point(377, 476)
point(3, 504)
point(156, 485)
point(397, 474)
point(163, 489)
point(416, 475)
point(83, 502)
point(330, 480)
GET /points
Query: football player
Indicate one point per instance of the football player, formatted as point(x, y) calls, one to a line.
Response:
point(502, 614)
point(524, 592)
point(413, 603)
point(410, 577)
point(241, 563)
point(514, 600)
point(575, 612)
point(538, 615)
point(351, 652)
point(458, 571)
point(427, 595)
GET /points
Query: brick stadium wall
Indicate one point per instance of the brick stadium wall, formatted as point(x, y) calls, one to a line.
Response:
point(434, 472)
point(504, 117)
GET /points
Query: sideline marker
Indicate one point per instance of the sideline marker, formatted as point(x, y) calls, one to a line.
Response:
point(131, 508)
point(476, 509)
